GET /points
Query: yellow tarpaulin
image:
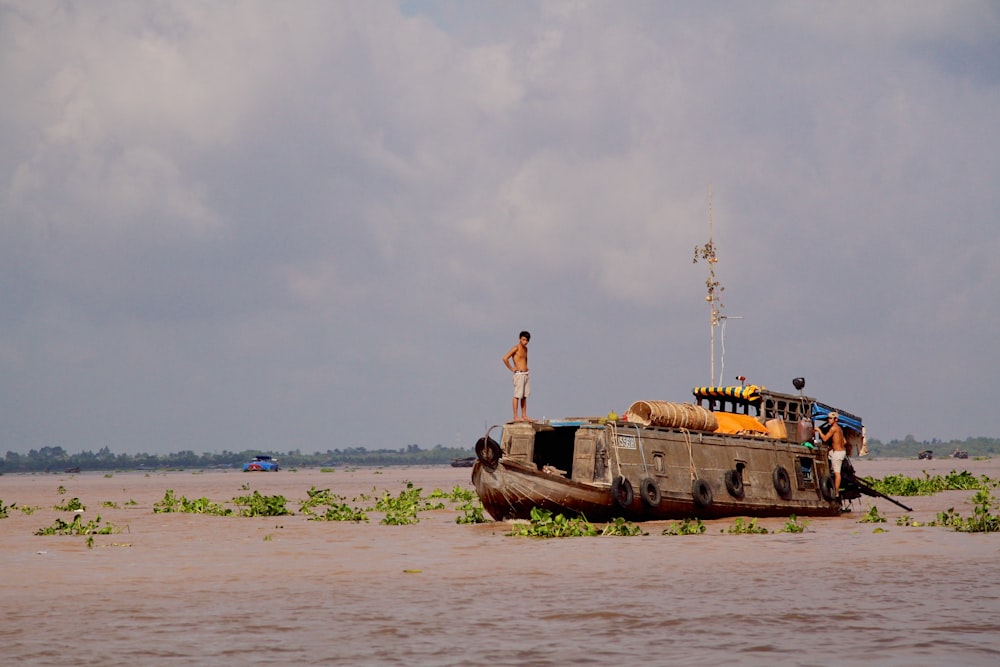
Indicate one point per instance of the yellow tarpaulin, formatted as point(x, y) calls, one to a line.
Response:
point(730, 423)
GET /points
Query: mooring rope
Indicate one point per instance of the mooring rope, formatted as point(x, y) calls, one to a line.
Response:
point(614, 448)
point(687, 440)
point(642, 455)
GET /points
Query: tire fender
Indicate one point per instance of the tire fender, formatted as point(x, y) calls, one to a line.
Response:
point(650, 492)
point(488, 452)
point(734, 483)
point(827, 489)
point(782, 482)
point(621, 490)
point(701, 492)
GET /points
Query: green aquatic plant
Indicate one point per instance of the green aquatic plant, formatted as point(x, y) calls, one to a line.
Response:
point(457, 494)
point(71, 505)
point(949, 517)
point(793, 525)
point(907, 520)
point(204, 506)
point(981, 521)
point(741, 527)
point(170, 503)
point(317, 498)
point(901, 485)
point(472, 512)
point(5, 509)
point(685, 527)
point(342, 512)
point(619, 527)
point(61, 490)
point(173, 503)
point(322, 505)
point(77, 527)
point(544, 524)
point(402, 509)
point(872, 516)
point(260, 505)
point(466, 501)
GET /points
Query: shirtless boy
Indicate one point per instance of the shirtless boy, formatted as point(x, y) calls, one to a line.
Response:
point(835, 436)
point(516, 362)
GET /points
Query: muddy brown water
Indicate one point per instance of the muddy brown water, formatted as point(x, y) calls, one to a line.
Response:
point(183, 589)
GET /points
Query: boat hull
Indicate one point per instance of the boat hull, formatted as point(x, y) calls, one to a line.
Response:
point(605, 471)
point(510, 490)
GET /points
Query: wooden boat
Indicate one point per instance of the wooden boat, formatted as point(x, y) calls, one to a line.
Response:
point(740, 451)
point(463, 462)
point(261, 463)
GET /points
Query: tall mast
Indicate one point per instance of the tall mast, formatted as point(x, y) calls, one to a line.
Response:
point(714, 295)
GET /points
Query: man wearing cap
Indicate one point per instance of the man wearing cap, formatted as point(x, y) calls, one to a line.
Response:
point(834, 436)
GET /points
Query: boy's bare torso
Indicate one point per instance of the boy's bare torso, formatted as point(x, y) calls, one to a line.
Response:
point(519, 356)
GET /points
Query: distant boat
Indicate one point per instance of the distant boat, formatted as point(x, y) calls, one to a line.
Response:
point(261, 463)
point(73, 470)
point(960, 454)
point(466, 462)
point(926, 454)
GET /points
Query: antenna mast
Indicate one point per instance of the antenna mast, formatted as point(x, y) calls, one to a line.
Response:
point(715, 290)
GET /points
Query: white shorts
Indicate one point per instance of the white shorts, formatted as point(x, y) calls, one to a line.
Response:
point(837, 459)
point(522, 384)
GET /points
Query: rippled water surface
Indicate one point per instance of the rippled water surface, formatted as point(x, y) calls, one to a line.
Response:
point(192, 589)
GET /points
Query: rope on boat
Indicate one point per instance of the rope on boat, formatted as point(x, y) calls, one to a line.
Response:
point(642, 455)
point(687, 440)
point(614, 448)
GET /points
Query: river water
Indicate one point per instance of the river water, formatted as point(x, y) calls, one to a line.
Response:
point(183, 589)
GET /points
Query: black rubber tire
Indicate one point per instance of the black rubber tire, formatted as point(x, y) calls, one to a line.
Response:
point(621, 490)
point(827, 488)
point(734, 483)
point(650, 492)
point(782, 482)
point(488, 452)
point(701, 492)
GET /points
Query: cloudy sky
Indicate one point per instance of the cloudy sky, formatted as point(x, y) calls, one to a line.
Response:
point(320, 225)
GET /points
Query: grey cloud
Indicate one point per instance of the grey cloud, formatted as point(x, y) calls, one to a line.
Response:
point(225, 226)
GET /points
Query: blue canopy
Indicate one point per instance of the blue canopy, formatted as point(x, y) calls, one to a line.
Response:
point(821, 411)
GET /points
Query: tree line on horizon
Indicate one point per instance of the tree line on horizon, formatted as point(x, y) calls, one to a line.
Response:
point(57, 459)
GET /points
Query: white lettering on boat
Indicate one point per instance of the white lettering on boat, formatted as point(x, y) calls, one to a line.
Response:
point(626, 442)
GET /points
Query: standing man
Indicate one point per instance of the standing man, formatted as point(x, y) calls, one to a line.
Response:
point(516, 361)
point(835, 437)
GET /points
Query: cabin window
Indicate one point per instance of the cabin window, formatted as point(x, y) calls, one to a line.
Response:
point(555, 448)
point(788, 411)
point(728, 405)
point(805, 472)
point(658, 464)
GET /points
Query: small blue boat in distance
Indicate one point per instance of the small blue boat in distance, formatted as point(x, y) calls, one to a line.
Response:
point(261, 463)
